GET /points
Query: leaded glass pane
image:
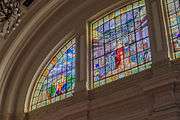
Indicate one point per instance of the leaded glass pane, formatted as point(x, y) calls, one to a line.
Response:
point(120, 44)
point(57, 80)
point(173, 8)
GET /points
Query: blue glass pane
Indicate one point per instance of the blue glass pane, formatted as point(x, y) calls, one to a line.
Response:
point(57, 80)
point(122, 46)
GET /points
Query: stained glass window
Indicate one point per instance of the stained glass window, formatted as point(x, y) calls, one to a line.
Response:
point(120, 44)
point(57, 80)
point(173, 8)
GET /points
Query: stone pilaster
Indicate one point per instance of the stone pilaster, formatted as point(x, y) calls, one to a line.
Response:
point(157, 32)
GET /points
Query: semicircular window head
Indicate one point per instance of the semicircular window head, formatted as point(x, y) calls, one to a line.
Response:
point(120, 44)
point(173, 16)
point(57, 80)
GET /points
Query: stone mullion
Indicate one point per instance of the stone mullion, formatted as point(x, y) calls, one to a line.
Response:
point(81, 63)
point(81, 93)
point(157, 32)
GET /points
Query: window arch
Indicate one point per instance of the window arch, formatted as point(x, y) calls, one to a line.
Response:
point(173, 18)
point(57, 80)
point(120, 44)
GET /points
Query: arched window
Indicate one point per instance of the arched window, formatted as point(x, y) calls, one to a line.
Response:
point(173, 16)
point(120, 44)
point(57, 80)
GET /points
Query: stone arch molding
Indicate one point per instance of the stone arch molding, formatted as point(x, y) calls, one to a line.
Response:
point(14, 74)
point(29, 94)
point(43, 33)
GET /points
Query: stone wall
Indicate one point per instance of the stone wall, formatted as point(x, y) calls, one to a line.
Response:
point(150, 95)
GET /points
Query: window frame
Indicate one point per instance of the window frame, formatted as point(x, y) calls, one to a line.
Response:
point(102, 14)
point(169, 39)
point(53, 53)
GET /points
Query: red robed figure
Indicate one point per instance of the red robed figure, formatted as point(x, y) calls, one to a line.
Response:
point(119, 57)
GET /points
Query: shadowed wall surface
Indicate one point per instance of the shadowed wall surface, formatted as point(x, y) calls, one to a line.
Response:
point(149, 95)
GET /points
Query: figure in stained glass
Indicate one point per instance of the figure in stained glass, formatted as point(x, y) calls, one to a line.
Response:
point(57, 80)
point(124, 46)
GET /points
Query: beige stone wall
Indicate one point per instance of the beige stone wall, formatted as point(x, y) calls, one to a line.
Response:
point(149, 95)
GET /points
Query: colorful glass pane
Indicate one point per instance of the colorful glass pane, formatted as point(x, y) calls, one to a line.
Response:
point(57, 80)
point(173, 8)
point(120, 44)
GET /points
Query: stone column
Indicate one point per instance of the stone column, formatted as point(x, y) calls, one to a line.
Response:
point(81, 93)
point(81, 67)
point(157, 32)
point(82, 58)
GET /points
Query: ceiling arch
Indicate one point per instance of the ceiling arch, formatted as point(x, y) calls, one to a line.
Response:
point(29, 45)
